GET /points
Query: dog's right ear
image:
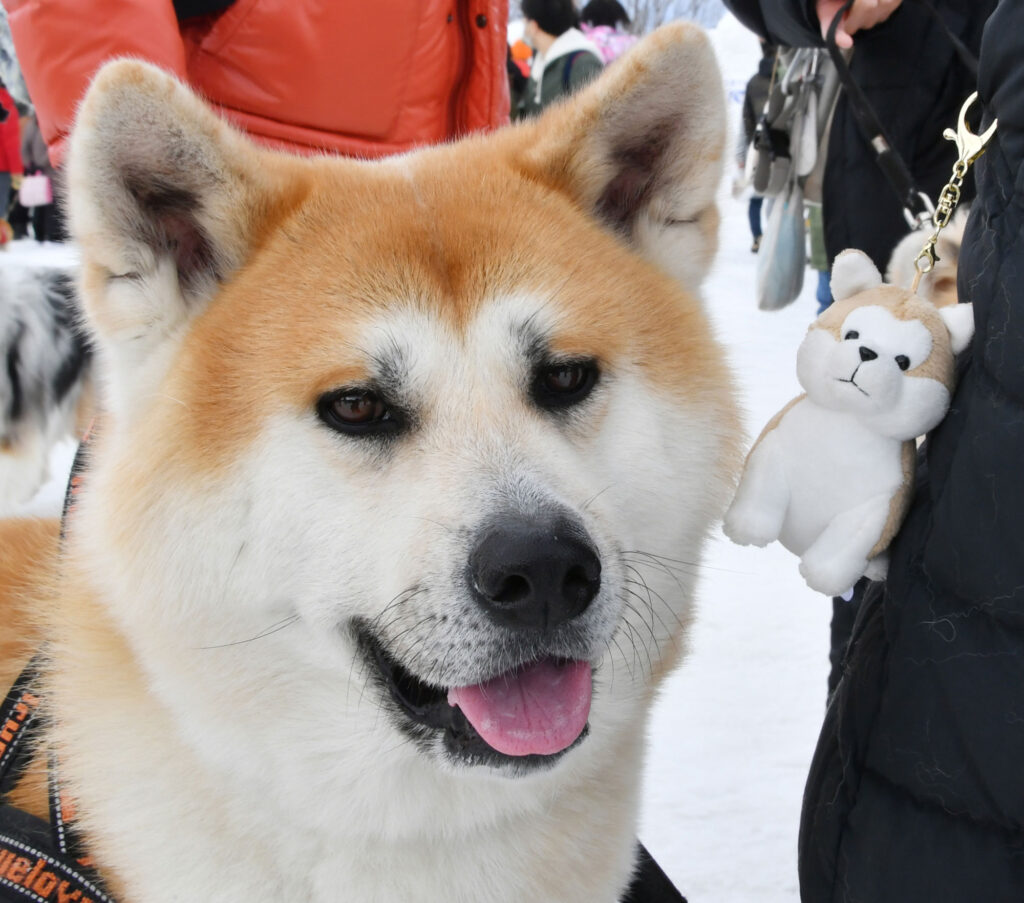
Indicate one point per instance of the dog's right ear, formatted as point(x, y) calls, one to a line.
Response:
point(165, 199)
point(642, 149)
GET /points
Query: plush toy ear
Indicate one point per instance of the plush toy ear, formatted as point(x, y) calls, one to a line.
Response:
point(959, 320)
point(852, 272)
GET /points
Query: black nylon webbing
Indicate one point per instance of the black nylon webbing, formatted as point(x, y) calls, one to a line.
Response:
point(17, 714)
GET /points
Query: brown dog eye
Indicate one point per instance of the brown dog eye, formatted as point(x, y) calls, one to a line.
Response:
point(565, 383)
point(358, 408)
point(565, 378)
point(357, 412)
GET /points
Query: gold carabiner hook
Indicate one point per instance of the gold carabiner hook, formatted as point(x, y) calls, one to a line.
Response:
point(969, 145)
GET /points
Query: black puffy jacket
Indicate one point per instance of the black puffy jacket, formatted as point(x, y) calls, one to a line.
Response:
point(916, 791)
point(911, 74)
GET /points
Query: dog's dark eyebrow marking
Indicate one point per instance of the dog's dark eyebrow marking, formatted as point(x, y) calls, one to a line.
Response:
point(532, 342)
point(391, 369)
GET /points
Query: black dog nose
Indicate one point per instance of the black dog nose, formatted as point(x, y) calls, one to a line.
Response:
point(535, 573)
point(866, 354)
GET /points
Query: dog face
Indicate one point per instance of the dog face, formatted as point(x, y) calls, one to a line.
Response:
point(404, 451)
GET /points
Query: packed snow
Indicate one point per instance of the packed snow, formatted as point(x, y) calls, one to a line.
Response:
point(734, 728)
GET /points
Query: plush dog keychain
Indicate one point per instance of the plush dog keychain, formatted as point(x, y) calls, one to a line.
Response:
point(831, 474)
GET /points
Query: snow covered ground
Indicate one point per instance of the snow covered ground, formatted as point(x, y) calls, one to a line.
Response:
point(735, 727)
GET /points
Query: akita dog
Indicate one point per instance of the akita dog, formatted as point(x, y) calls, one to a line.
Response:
point(389, 527)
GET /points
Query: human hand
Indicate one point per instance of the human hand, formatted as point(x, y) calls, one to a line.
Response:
point(863, 14)
point(16, 180)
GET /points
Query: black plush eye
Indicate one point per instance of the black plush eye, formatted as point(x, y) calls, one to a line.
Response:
point(564, 383)
point(852, 334)
point(357, 412)
point(902, 361)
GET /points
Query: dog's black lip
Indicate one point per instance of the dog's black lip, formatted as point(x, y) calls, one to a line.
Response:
point(424, 712)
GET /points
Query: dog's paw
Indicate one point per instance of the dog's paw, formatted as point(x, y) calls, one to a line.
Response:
point(747, 527)
point(831, 576)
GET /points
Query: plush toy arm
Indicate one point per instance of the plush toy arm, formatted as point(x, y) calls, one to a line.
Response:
point(839, 556)
point(756, 515)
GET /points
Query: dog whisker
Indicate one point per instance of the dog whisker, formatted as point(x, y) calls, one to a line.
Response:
point(274, 628)
point(595, 497)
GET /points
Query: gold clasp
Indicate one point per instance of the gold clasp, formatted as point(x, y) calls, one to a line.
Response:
point(969, 145)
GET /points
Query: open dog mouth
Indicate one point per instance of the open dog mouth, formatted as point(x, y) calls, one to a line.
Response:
point(528, 717)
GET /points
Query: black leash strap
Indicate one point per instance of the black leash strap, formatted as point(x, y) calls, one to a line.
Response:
point(39, 861)
point(890, 162)
point(17, 715)
point(888, 159)
point(969, 60)
point(29, 870)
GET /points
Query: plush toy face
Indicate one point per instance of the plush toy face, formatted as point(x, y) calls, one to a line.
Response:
point(881, 353)
point(874, 369)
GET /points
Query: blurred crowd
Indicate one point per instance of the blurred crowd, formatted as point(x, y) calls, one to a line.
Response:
point(26, 176)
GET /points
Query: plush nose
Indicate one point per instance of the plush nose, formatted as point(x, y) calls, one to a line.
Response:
point(866, 354)
point(534, 573)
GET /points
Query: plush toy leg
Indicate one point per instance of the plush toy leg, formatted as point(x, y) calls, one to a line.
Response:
point(878, 567)
point(756, 515)
point(839, 556)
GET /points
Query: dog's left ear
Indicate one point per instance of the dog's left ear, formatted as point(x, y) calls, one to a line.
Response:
point(641, 149)
point(166, 201)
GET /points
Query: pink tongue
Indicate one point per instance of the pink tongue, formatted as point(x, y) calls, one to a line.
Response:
point(538, 709)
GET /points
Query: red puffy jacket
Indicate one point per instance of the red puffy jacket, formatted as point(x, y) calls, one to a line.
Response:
point(10, 138)
point(363, 79)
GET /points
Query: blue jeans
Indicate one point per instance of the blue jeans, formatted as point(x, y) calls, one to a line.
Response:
point(824, 293)
point(754, 212)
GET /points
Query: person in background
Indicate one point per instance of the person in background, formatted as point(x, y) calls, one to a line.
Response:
point(46, 224)
point(754, 100)
point(563, 59)
point(818, 259)
point(915, 79)
point(11, 168)
point(915, 792)
point(518, 64)
point(17, 215)
point(605, 22)
point(364, 80)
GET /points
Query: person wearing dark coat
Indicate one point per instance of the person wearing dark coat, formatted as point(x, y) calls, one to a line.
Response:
point(916, 788)
point(46, 219)
point(564, 59)
point(912, 75)
point(754, 99)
